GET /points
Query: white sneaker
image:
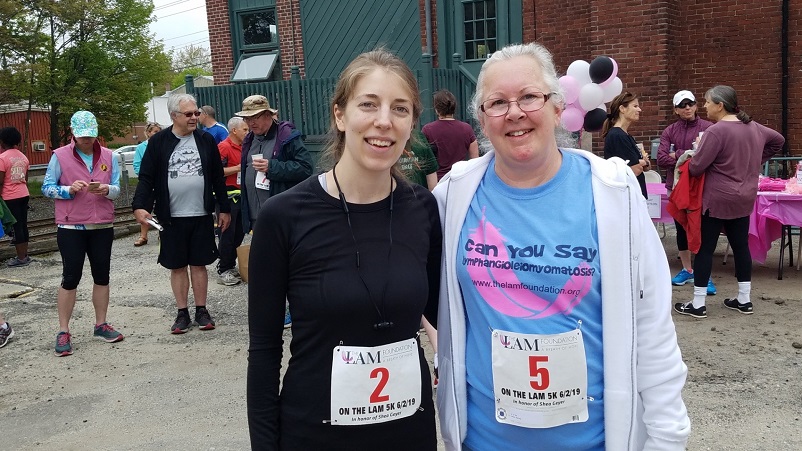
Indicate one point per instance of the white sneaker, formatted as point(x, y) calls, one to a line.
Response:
point(228, 278)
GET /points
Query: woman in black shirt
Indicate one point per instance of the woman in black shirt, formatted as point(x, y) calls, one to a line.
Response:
point(624, 110)
point(356, 252)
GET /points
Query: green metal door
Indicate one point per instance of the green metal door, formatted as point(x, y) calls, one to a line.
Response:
point(335, 32)
point(475, 29)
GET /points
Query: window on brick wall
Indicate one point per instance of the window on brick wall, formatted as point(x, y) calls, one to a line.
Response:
point(480, 28)
point(258, 30)
point(256, 45)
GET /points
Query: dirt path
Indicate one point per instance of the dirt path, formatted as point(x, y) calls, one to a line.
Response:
point(156, 391)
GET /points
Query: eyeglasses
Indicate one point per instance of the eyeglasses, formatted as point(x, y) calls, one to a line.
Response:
point(532, 101)
point(255, 116)
point(189, 114)
point(686, 105)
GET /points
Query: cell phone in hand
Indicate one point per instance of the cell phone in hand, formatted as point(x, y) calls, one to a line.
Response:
point(94, 185)
point(155, 224)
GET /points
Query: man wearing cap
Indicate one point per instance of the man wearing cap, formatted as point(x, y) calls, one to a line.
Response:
point(274, 158)
point(84, 179)
point(675, 140)
point(210, 124)
point(181, 181)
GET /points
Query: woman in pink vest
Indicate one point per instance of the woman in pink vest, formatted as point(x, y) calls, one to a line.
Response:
point(84, 179)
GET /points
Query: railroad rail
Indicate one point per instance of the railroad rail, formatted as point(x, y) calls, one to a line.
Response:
point(43, 229)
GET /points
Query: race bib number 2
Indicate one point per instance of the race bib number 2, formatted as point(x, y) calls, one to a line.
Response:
point(539, 381)
point(375, 384)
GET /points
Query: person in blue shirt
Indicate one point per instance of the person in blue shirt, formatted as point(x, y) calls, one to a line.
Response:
point(150, 129)
point(210, 125)
point(554, 329)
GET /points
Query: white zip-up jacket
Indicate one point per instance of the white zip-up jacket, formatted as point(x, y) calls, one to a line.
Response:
point(643, 369)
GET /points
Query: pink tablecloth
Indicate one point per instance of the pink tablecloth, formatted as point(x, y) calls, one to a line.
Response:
point(772, 211)
point(660, 189)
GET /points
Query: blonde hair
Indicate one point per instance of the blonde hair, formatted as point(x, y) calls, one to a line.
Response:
point(357, 69)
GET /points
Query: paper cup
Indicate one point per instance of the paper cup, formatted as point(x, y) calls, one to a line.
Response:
point(256, 156)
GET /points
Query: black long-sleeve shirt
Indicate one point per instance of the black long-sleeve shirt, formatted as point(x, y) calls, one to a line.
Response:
point(304, 251)
point(619, 143)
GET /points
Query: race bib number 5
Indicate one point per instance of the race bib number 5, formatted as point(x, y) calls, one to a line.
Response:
point(539, 381)
point(375, 384)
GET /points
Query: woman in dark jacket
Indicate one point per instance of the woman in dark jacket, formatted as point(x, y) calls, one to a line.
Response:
point(624, 110)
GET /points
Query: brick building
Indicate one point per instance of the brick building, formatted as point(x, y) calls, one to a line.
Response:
point(661, 46)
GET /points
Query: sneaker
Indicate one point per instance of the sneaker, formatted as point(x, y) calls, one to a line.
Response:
point(711, 288)
point(204, 319)
point(107, 333)
point(228, 278)
point(687, 309)
point(287, 320)
point(15, 262)
point(63, 344)
point(682, 278)
point(182, 322)
point(5, 335)
point(733, 304)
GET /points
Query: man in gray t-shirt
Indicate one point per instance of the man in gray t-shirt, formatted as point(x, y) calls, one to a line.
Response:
point(185, 179)
point(181, 180)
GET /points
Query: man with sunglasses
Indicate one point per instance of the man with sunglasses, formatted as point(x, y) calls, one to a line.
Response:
point(182, 174)
point(675, 140)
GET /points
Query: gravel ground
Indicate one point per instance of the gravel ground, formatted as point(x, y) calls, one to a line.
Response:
point(155, 390)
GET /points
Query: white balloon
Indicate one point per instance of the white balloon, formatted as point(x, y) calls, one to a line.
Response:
point(590, 96)
point(612, 89)
point(579, 69)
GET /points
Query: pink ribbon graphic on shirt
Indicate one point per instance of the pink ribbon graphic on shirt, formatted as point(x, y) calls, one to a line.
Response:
point(520, 303)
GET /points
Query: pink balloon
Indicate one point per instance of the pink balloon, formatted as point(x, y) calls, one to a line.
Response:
point(570, 88)
point(612, 76)
point(572, 118)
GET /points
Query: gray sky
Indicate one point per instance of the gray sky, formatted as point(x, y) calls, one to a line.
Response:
point(180, 23)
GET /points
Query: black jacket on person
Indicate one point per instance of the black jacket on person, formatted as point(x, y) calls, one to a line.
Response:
point(153, 178)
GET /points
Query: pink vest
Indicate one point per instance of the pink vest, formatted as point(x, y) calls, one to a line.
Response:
point(84, 208)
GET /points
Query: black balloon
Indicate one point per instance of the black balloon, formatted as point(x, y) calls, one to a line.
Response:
point(594, 119)
point(601, 68)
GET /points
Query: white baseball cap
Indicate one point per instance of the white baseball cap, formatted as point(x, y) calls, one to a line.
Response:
point(683, 95)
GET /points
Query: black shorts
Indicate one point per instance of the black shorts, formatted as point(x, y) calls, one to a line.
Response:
point(188, 241)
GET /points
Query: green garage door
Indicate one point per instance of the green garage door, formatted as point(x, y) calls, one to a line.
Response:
point(334, 32)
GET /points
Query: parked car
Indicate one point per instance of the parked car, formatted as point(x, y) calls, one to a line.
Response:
point(125, 157)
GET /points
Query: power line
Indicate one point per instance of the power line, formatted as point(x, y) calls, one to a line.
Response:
point(180, 12)
point(168, 5)
point(188, 44)
point(189, 34)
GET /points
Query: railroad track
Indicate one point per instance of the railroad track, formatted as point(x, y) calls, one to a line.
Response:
point(44, 229)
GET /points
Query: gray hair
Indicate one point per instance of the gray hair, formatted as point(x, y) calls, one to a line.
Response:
point(235, 122)
point(726, 95)
point(175, 100)
point(533, 50)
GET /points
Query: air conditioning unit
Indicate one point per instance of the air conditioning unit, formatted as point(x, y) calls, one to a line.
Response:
point(38, 146)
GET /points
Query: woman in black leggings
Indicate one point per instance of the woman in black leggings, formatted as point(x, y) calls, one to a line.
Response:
point(730, 155)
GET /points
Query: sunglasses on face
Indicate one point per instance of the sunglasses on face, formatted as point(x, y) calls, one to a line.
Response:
point(189, 114)
point(686, 105)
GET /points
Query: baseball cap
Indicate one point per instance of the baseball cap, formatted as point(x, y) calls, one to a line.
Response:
point(83, 124)
point(254, 105)
point(683, 95)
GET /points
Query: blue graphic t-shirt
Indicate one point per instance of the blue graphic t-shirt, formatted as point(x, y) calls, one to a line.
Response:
point(528, 263)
